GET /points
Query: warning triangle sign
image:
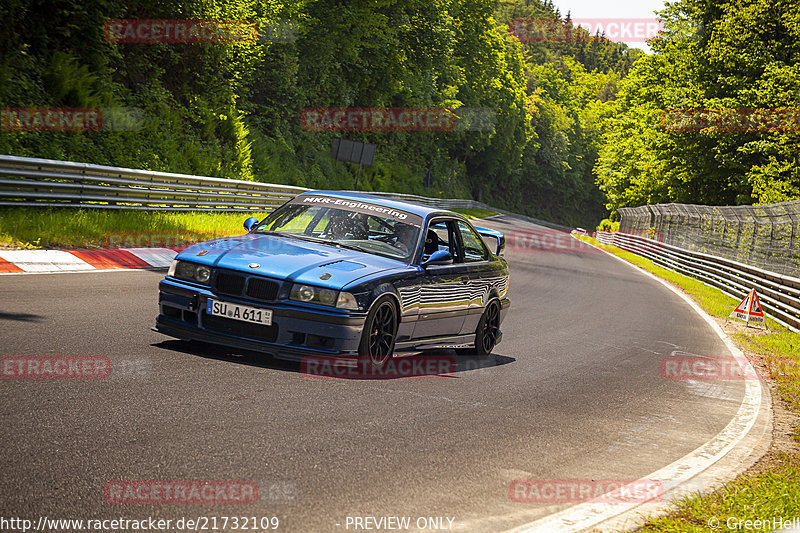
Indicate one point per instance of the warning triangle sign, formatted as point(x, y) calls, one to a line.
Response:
point(749, 309)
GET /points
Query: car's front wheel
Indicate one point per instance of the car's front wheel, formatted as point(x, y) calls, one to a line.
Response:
point(380, 330)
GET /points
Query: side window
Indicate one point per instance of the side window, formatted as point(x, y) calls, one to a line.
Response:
point(444, 236)
point(439, 237)
point(474, 247)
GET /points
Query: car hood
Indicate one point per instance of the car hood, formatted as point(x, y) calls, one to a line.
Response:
point(289, 258)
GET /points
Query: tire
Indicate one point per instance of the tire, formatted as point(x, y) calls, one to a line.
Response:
point(380, 333)
point(488, 330)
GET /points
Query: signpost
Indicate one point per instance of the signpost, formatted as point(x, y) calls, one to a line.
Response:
point(353, 152)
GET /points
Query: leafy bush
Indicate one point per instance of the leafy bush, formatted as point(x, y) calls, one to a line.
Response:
point(607, 225)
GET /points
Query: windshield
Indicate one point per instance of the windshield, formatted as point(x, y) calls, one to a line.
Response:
point(353, 224)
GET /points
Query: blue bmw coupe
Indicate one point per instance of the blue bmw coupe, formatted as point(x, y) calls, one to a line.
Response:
point(342, 275)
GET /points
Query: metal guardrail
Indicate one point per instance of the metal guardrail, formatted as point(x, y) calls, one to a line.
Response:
point(780, 294)
point(33, 182)
point(44, 182)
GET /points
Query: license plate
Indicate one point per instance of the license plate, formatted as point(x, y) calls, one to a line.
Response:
point(239, 312)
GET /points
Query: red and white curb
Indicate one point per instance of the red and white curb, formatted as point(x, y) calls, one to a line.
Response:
point(45, 261)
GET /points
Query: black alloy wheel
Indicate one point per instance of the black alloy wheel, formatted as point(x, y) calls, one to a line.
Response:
point(488, 330)
point(378, 337)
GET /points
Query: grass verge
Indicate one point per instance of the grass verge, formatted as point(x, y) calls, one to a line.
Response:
point(772, 494)
point(29, 227)
point(476, 213)
point(100, 228)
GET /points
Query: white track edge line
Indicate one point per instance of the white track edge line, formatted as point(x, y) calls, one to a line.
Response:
point(585, 515)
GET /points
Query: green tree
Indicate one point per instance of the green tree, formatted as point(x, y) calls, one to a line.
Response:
point(712, 55)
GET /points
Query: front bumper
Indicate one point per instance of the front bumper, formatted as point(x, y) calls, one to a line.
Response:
point(295, 332)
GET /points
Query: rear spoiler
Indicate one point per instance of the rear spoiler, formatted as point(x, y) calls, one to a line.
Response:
point(490, 235)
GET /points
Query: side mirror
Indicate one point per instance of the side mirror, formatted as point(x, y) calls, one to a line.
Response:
point(439, 257)
point(250, 223)
point(494, 235)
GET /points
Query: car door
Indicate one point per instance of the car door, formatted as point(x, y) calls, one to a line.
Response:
point(443, 300)
point(484, 275)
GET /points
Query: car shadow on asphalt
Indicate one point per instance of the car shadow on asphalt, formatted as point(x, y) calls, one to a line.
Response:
point(431, 363)
point(21, 317)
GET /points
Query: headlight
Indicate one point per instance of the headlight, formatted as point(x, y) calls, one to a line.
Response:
point(190, 271)
point(310, 294)
point(202, 274)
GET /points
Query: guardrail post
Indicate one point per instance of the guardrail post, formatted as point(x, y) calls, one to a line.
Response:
point(738, 228)
point(792, 216)
point(752, 213)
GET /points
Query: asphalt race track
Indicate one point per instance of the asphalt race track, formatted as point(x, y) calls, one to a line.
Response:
point(574, 391)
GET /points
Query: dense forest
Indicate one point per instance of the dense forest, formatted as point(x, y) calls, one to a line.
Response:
point(574, 126)
point(739, 55)
point(232, 109)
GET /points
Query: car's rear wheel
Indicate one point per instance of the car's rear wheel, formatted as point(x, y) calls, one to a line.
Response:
point(380, 331)
point(488, 330)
